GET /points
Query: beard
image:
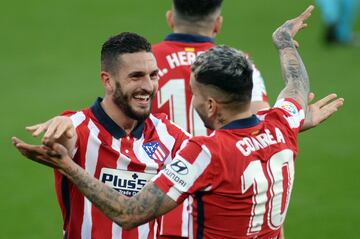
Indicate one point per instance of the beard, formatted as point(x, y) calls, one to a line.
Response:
point(122, 101)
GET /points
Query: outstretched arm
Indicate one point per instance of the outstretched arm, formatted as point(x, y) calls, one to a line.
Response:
point(293, 69)
point(148, 204)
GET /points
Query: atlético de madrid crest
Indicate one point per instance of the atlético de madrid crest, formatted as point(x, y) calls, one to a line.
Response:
point(156, 151)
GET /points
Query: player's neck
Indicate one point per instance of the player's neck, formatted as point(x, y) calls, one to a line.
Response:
point(225, 117)
point(193, 31)
point(122, 120)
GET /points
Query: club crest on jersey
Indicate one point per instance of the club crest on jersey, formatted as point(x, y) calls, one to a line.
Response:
point(156, 151)
point(289, 107)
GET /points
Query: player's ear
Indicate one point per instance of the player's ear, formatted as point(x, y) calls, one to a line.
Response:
point(106, 81)
point(170, 19)
point(218, 25)
point(212, 107)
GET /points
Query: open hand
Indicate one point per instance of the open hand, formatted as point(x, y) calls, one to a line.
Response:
point(284, 36)
point(321, 110)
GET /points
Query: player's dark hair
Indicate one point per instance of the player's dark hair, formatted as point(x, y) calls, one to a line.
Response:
point(125, 42)
point(226, 69)
point(196, 10)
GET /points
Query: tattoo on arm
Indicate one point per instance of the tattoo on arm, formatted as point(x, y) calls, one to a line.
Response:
point(292, 67)
point(148, 204)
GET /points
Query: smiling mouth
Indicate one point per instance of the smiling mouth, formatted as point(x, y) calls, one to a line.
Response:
point(142, 98)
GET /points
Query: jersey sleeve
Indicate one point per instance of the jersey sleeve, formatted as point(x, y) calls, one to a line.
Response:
point(191, 170)
point(291, 113)
point(259, 89)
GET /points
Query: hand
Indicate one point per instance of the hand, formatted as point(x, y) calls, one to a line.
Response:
point(283, 36)
point(58, 129)
point(52, 155)
point(321, 110)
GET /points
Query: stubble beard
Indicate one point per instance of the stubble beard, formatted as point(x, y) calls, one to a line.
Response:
point(121, 100)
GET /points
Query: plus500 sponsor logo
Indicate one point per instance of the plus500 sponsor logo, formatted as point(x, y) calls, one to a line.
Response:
point(121, 183)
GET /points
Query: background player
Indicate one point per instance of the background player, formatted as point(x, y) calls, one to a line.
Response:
point(194, 25)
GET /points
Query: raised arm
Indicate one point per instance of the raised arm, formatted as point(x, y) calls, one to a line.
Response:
point(127, 212)
point(292, 67)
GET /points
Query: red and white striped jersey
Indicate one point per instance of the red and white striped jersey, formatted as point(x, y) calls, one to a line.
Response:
point(240, 176)
point(174, 57)
point(124, 162)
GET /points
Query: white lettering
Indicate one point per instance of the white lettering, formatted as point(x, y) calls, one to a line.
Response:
point(173, 60)
point(263, 140)
point(240, 145)
point(279, 136)
point(183, 58)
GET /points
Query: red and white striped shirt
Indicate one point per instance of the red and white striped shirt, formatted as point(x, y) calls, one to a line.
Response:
point(124, 162)
point(241, 176)
point(174, 57)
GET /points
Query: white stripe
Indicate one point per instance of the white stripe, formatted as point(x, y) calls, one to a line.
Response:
point(116, 231)
point(143, 231)
point(123, 161)
point(77, 118)
point(156, 225)
point(87, 220)
point(185, 218)
point(191, 222)
point(165, 138)
point(173, 193)
point(91, 159)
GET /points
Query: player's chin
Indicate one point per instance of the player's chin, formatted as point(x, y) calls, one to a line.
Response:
point(142, 113)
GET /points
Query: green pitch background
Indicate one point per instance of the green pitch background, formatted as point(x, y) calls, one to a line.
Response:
point(49, 61)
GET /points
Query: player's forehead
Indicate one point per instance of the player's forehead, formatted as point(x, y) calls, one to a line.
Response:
point(138, 61)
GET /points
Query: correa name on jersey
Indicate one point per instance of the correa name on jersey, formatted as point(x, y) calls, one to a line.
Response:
point(127, 183)
point(182, 58)
point(260, 141)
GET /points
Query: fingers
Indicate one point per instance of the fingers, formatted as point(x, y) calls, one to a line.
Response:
point(311, 97)
point(296, 44)
point(37, 153)
point(320, 103)
point(38, 128)
point(52, 129)
point(307, 13)
point(333, 106)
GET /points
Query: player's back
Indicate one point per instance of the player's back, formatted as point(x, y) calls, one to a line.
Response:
point(174, 57)
point(241, 175)
point(252, 181)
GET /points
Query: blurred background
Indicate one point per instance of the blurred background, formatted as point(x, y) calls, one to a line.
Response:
point(49, 62)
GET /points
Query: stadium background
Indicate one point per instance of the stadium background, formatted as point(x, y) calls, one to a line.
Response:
point(49, 61)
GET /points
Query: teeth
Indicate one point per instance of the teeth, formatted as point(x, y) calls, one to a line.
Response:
point(141, 97)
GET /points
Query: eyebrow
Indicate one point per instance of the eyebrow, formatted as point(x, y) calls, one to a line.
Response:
point(141, 73)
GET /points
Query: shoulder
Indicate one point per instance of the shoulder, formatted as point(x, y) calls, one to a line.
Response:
point(160, 121)
point(287, 111)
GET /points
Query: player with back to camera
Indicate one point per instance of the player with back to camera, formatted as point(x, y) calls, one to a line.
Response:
point(194, 25)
